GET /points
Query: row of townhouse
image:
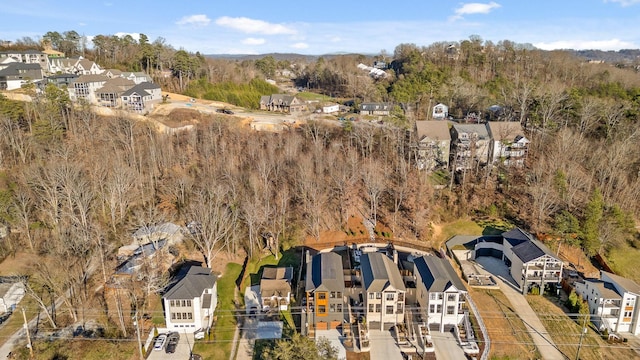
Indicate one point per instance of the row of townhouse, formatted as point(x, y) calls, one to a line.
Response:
point(444, 144)
point(381, 292)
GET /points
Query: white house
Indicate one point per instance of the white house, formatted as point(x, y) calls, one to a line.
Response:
point(613, 302)
point(141, 96)
point(190, 303)
point(384, 297)
point(85, 87)
point(15, 74)
point(531, 264)
point(439, 292)
point(440, 111)
point(329, 109)
point(508, 144)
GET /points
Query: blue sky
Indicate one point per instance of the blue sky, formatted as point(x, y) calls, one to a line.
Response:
point(330, 26)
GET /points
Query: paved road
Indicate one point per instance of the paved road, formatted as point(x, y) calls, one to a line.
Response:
point(519, 303)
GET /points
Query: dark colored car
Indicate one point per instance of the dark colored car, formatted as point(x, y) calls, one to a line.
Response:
point(172, 343)
point(224, 111)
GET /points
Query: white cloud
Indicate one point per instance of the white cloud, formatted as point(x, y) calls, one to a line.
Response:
point(252, 26)
point(82, 24)
point(623, 2)
point(253, 41)
point(300, 45)
point(194, 20)
point(135, 36)
point(335, 39)
point(473, 8)
point(611, 44)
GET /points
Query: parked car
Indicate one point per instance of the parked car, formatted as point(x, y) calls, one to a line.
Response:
point(172, 342)
point(161, 340)
point(224, 111)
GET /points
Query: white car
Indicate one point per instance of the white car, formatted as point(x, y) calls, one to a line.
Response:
point(160, 342)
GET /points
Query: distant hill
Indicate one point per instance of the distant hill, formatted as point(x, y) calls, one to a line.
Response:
point(278, 56)
point(621, 56)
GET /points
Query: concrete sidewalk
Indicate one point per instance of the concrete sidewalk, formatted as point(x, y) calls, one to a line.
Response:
point(535, 328)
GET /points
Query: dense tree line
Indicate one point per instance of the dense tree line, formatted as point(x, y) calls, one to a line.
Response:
point(76, 185)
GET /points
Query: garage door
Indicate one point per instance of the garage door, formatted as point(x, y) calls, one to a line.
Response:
point(321, 325)
point(489, 252)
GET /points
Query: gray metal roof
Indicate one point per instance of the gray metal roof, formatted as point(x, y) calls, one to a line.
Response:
point(627, 284)
point(325, 270)
point(380, 272)
point(437, 274)
point(607, 289)
point(192, 285)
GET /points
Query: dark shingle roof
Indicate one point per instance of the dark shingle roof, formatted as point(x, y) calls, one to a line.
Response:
point(516, 236)
point(192, 284)
point(380, 272)
point(525, 246)
point(437, 274)
point(325, 269)
point(141, 89)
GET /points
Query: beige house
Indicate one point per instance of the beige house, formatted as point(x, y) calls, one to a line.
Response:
point(282, 103)
point(434, 142)
point(275, 287)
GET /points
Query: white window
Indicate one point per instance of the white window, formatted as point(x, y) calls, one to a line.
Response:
point(390, 296)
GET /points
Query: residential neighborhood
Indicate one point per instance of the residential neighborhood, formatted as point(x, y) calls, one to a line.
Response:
point(163, 197)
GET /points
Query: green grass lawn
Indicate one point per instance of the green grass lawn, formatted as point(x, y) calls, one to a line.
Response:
point(254, 267)
point(624, 260)
point(565, 332)
point(220, 346)
point(464, 226)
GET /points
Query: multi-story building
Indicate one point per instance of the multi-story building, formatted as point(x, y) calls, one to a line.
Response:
point(190, 303)
point(613, 302)
point(439, 292)
point(434, 142)
point(530, 262)
point(325, 292)
point(469, 145)
point(384, 291)
point(508, 146)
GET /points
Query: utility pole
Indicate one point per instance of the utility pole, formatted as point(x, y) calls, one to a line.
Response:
point(26, 327)
point(583, 330)
point(135, 322)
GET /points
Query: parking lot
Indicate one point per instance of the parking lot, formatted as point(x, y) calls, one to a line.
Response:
point(182, 350)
